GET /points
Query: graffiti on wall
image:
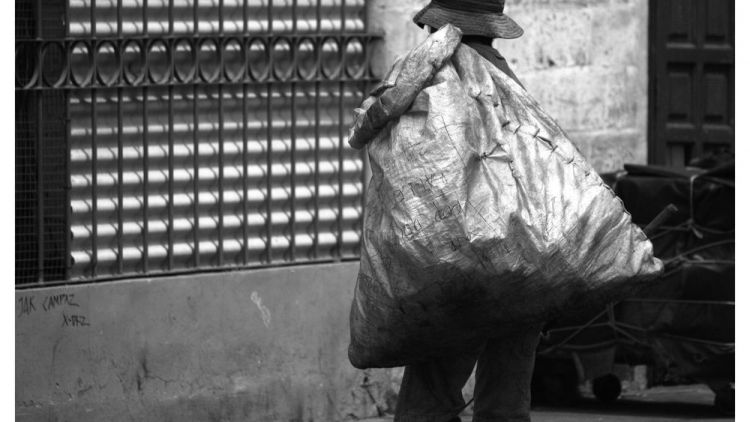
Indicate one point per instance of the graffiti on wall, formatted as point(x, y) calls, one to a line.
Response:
point(66, 305)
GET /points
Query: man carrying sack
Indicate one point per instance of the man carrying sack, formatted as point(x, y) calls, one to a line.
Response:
point(431, 391)
point(483, 221)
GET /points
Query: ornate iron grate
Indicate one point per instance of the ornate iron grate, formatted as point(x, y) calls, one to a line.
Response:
point(181, 136)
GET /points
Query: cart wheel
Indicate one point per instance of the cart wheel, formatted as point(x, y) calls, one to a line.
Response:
point(724, 401)
point(607, 388)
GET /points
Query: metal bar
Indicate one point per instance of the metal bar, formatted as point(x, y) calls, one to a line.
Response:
point(39, 19)
point(269, 164)
point(145, 141)
point(343, 20)
point(293, 173)
point(68, 211)
point(245, 238)
point(221, 49)
point(94, 193)
point(225, 83)
point(317, 17)
point(170, 206)
point(219, 37)
point(170, 139)
point(699, 110)
point(120, 116)
point(119, 23)
point(245, 252)
point(221, 176)
point(244, 17)
point(316, 221)
point(145, 178)
point(196, 180)
point(294, 16)
point(39, 147)
point(120, 265)
point(144, 17)
point(156, 275)
point(40, 187)
point(170, 16)
point(270, 18)
point(92, 12)
point(67, 19)
point(293, 137)
point(196, 146)
point(339, 216)
point(195, 24)
point(269, 134)
point(221, 17)
point(364, 16)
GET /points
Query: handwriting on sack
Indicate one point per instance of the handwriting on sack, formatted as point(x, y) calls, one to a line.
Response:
point(411, 228)
point(447, 211)
point(420, 187)
point(456, 243)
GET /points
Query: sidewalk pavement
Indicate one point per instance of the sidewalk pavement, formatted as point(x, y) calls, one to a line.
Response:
point(660, 404)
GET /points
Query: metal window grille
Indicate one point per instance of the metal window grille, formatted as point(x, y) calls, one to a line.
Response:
point(169, 136)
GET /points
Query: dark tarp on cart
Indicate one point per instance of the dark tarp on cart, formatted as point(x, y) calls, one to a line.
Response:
point(685, 322)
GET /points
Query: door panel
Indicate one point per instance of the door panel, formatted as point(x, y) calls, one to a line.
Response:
point(691, 67)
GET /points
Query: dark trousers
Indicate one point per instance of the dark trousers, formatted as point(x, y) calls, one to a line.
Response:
point(431, 391)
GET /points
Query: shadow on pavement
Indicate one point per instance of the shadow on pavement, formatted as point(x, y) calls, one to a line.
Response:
point(632, 407)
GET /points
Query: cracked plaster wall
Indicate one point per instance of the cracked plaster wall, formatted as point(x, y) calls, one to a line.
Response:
point(264, 345)
point(585, 61)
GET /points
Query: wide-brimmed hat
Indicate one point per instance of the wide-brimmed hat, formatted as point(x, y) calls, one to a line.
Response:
point(473, 17)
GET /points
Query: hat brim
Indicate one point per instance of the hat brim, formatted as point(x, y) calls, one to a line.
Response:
point(493, 25)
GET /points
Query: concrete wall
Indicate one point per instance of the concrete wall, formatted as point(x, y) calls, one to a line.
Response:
point(266, 345)
point(585, 61)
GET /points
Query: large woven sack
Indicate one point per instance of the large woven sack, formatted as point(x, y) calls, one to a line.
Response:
point(481, 215)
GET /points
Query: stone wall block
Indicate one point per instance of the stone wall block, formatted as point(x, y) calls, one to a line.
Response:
point(610, 150)
point(617, 31)
point(394, 20)
point(554, 37)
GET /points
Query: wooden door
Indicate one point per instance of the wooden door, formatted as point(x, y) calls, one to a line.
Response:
point(691, 72)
